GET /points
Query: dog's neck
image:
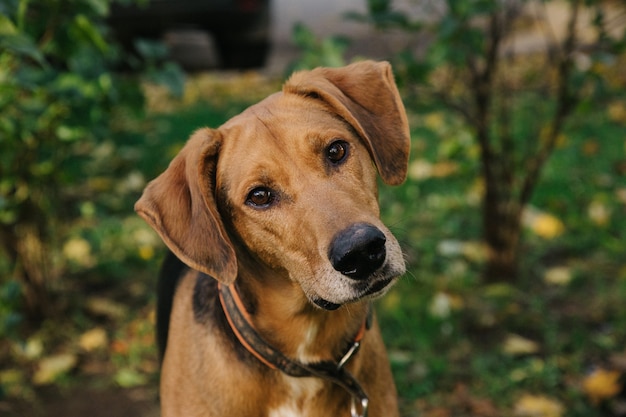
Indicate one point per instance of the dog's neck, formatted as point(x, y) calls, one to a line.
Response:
point(286, 319)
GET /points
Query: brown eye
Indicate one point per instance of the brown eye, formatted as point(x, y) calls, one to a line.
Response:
point(261, 197)
point(337, 151)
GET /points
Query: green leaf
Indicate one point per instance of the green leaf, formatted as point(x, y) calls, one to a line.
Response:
point(6, 26)
point(378, 6)
point(22, 45)
point(151, 50)
point(92, 33)
point(70, 133)
point(128, 378)
point(303, 36)
point(170, 76)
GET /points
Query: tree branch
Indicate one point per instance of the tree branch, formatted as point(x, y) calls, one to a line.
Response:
point(565, 100)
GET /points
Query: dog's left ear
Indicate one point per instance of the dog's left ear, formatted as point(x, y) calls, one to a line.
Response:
point(366, 96)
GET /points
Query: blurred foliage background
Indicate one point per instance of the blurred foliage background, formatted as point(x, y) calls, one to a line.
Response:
point(512, 218)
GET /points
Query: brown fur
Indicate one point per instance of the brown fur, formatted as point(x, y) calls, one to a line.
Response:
point(278, 256)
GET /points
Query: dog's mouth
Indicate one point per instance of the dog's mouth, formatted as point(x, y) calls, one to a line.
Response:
point(364, 290)
point(325, 304)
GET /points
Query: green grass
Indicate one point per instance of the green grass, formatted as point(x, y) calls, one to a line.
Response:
point(577, 326)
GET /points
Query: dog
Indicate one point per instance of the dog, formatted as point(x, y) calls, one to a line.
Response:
point(277, 249)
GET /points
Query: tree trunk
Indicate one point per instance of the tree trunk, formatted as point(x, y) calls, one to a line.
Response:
point(502, 230)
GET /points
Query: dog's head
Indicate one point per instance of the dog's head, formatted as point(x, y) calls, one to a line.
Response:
point(289, 185)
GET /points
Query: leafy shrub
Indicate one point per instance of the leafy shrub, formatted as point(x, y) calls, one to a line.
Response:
point(67, 154)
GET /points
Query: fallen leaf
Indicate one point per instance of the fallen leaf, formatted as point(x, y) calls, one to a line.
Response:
point(475, 251)
point(443, 304)
point(538, 406)
point(31, 350)
point(444, 169)
point(440, 306)
point(542, 224)
point(599, 213)
point(51, 367)
point(516, 345)
point(146, 252)
point(558, 275)
point(93, 339)
point(128, 378)
point(420, 169)
point(591, 147)
point(601, 385)
point(617, 111)
point(450, 247)
point(78, 250)
point(105, 307)
point(120, 347)
point(472, 250)
point(434, 120)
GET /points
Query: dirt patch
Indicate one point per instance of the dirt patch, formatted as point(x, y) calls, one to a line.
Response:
point(86, 401)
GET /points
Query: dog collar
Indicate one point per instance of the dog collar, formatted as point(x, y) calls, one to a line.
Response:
point(240, 323)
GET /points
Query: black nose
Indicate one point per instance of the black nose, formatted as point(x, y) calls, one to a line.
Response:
point(358, 251)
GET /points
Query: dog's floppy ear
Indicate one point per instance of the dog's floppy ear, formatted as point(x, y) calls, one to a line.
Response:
point(180, 205)
point(366, 96)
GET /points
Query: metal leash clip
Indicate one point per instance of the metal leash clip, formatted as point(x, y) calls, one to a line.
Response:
point(353, 349)
point(353, 407)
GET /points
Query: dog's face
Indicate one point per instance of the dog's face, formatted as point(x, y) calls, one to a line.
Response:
point(303, 199)
point(290, 185)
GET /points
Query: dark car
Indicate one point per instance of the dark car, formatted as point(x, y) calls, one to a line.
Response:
point(240, 28)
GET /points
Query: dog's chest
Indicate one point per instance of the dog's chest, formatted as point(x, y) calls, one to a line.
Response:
point(300, 395)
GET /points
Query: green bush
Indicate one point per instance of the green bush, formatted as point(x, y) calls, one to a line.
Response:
point(67, 154)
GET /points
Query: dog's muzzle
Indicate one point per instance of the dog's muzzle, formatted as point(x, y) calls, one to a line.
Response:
point(358, 251)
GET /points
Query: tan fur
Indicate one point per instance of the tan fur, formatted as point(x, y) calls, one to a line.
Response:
point(278, 256)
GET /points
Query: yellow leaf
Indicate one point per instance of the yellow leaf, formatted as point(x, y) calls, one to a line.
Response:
point(78, 251)
point(475, 251)
point(444, 169)
point(559, 275)
point(105, 307)
point(93, 339)
point(434, 120)
point(617, 111)
point(542, 224)
point(517, 345)
point(602, 385)
point(51, 367)
point(32, 349)
point(538, 406)
point(146, 252)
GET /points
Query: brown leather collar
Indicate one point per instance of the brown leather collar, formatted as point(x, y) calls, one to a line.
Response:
point(335, 372)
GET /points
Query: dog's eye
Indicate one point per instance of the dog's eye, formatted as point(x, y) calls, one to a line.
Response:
point(337, 151)
point(261, 197)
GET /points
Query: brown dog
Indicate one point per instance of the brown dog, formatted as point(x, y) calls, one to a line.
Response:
point(279, 206)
